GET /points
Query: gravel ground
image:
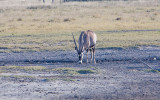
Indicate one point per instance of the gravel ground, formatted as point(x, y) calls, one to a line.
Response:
point(124, 74)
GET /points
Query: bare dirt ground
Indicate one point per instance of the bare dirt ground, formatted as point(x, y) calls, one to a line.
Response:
point(122, 75)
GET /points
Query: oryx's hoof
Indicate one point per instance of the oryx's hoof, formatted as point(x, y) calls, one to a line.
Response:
point(80, 62)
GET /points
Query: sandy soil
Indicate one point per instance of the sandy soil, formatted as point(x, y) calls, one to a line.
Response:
point(122, 75)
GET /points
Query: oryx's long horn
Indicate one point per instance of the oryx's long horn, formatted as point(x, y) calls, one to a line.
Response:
point(75, 43)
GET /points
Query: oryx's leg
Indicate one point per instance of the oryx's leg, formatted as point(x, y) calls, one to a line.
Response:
point(94, 54)
point(91, 54)
point(87, 55)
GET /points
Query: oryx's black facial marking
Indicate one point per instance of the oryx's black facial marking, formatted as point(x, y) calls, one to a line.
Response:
point(80, 55)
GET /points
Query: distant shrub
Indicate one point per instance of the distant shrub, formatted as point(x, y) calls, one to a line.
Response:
point(68, 19)
point(153, 71)
point(19, 19)
point(119, 18)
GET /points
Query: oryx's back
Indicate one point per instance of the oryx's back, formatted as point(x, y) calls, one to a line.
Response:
point(93, 38)
point(87, 39)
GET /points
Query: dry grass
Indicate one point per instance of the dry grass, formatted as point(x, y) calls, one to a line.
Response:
point(37, 28)
point(128, 39)
point(74, 18)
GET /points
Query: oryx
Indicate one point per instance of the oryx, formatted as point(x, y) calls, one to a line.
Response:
point(87, 41)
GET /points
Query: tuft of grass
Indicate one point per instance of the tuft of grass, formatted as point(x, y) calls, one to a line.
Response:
point(68, 19)
point(19, 19)
point(85, 71)
point(75, 71)
point(35, 68)
point(70, 71)
point(118, 18)
point(22, 76)
point(68, 79)
point(153, 71)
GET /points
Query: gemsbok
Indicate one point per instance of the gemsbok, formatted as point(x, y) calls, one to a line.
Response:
point(87, 41)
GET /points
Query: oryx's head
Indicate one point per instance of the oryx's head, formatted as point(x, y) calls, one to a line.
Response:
point(79, 51)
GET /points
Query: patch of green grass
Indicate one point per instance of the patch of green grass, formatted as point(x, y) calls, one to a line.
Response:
point(64, 41)
point(153, 71)
point(26, 68)
point(85, 71)
point(22, 76)
point(64, 70)
point(75, 71)
point(52, 79)
point(35, 68)
point(68, 79)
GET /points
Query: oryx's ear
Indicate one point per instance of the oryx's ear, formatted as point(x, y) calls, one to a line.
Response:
point(76, 48)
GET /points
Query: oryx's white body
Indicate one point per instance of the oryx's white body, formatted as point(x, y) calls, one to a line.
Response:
point(87, 41)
